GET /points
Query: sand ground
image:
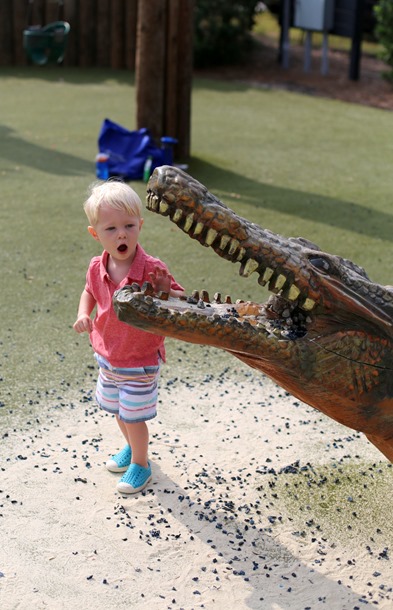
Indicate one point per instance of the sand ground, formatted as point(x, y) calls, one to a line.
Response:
point(257, 501)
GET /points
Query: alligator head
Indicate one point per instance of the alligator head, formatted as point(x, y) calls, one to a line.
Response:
point(325, 334)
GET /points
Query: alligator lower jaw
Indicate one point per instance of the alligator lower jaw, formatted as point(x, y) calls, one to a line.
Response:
point(276, 319)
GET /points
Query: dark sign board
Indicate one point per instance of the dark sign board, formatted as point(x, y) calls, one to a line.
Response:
point(351, 19)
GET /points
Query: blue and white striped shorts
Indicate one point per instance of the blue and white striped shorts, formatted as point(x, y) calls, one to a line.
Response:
point(129, 393)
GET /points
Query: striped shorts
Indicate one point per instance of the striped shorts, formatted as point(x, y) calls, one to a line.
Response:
point(129, 393)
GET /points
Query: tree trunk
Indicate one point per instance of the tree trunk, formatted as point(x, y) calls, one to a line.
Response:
point(150, 66)
point(164, 69)
point(184, 78)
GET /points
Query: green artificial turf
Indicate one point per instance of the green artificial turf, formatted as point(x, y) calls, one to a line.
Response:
point(295, 164)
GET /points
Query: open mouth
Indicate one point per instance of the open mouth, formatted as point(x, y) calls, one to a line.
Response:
point(122, 248)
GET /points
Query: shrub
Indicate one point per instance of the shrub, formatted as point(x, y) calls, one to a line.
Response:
point(222, 31)
point(384, 32)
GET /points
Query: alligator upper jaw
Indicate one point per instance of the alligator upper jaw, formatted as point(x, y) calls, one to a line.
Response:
point(173, 193)
point(283, 265)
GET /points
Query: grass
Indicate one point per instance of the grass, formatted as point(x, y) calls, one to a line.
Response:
point(330, 499)
point(294, 164)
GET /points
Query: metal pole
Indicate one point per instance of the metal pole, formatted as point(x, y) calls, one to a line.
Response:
point(285, 33)
point(356, 52)
point(307, 51)
point(325, 55)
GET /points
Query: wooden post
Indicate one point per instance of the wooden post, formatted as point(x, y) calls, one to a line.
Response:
point(117, 34)
point(184, 72)
point(53, 12)
point(87, 40)
point(103, 33)
point(171, 68)
point(70, 14)
point(19, 23)
point(6, 38)
point(150, 66)
point(131, 15)
point(164, 69)
point(38, 12)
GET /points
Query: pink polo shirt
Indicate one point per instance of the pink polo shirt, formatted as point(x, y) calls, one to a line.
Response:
point(121, 344)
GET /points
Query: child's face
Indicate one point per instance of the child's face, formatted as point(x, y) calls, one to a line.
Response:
point(118, 232)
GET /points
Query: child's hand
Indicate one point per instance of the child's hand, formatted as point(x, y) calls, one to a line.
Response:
point(84, 324)
point(161, 280)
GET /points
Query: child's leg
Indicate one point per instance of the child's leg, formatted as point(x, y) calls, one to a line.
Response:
point(138, 474)
point(137, 436)
point(122, 427)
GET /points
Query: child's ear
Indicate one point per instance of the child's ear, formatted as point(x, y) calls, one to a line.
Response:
point(93, 232)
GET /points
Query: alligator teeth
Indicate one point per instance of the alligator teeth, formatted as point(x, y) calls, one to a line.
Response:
point(153, 203)
point(234, 246)
point(177, 216)
point(188, 223)
point(148, 289)
point(199, 228)
point(241, 254)
point(163, 207)
point(224, 241)
point(308, 304)
point(267, 275)
point(293, 293)
point(250, 266)
point(210, 237)
point(163, 296)
point(280, 281)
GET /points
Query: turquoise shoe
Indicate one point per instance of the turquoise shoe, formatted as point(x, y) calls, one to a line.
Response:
point(135, 479)
point(121, 461)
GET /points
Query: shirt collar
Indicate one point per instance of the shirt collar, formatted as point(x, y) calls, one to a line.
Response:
point(136, 270)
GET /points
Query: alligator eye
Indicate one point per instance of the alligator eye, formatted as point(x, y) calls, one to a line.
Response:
point(320, 263)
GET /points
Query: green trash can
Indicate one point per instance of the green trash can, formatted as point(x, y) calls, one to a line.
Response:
point(46, 44)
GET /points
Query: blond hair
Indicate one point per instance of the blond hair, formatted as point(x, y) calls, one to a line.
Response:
point(114, 194)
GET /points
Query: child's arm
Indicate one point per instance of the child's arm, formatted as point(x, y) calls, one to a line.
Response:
point(161, 282)
point(86, 305)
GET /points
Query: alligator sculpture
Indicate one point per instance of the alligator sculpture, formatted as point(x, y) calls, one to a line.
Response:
point(325, 334)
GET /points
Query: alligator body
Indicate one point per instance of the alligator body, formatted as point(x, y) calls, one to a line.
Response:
point(325, 334)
